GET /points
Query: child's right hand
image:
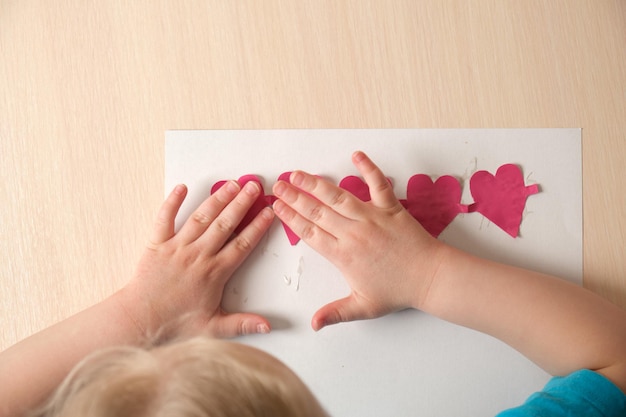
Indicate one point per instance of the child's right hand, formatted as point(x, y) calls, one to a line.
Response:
point(386, 256)
point(391, 262)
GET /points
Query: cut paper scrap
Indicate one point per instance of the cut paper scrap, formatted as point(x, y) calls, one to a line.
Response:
point(261, 202)
point(501, 198)
point(434, 204)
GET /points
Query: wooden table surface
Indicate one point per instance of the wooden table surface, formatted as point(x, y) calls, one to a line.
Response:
point(87, 89)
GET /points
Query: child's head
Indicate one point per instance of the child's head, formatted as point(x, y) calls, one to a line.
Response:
point(198, 377)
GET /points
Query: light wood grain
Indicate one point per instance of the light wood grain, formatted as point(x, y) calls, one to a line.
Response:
point(87, 89)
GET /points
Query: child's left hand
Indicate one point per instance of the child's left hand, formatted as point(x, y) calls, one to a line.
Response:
point(178, 286)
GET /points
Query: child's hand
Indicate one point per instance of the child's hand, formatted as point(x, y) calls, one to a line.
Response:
point(388, 259)
point(179, 282)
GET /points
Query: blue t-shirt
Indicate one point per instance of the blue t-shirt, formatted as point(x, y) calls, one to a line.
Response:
point(582, 393)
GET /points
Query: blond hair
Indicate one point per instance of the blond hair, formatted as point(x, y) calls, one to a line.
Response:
point(199, 377)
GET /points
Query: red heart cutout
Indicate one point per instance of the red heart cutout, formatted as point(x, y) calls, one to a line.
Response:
point(433, 205)
point(261, 202)
point(501, 198)
point(356, 186)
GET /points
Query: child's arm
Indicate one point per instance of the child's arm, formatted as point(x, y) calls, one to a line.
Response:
point(392, 263)
point(176, 290)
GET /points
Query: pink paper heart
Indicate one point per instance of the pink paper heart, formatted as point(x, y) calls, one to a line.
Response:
point(501, 198)
point(356, 186)
point(433, 205)
point(261, 202)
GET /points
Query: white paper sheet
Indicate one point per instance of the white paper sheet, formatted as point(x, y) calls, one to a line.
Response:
point(408, 363)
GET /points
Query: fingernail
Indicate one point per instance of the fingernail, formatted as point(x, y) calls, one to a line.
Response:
point(263, 328)
point(359, 156)
point(267, 213)
point(319, 325)
point(179, 189)
point(251, 187)
point(278, 206)
point(296, 178)
point(280, 188)
point(232, 187)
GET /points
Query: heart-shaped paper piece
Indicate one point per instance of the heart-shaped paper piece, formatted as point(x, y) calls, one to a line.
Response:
point(433, 204)
point(356, 186)
point(501, 198)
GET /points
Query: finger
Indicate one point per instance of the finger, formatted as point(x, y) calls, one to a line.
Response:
point(304, 192)
point(238, 324)
point(320, 240)
point(380, 188)
point(340, 200)
point(340, 311)
point(208, 211)
point(222, 228)
point(238, 249)
point(163, 229)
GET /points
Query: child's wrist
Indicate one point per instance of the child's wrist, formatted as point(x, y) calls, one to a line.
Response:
point(425, 279)
point(140, 319)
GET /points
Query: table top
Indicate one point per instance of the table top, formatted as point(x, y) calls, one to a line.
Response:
point(87, 90)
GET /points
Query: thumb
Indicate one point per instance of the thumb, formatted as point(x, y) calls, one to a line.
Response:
point(340, 311)
point(237, 324)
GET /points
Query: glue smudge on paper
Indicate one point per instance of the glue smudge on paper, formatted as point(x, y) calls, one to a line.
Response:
point(470, 170)
point(299, 271)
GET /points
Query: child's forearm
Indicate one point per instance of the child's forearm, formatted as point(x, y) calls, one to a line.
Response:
point(33, 368)
point(558, 325)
